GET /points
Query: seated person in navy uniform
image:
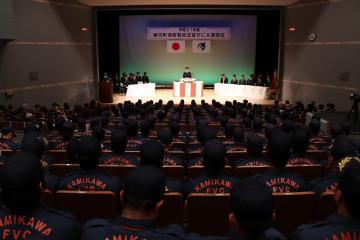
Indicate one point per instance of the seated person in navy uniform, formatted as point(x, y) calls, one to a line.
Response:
point(164, 135)
point(134, 140)
point(118, 156)
point(145, 78)
point(6, 140)
point(66, 132)
point(138, 77)
point(187, 73)
point(145, 129)
point(36, 146)
point(178, 136)
point(87, 178)
point(340, 150)
point(277, 178)
point(234, 79)
point(345, 224)
point(228, 132)
point(152, 153)
point(223, 78)
point(214, 180)
point(141, 199)
point(251, 215)
point(317, 138)
point(254, 148)
point(99, 133)
point(24, 217)
point(300, 141)
point(251, 80)
point(238, 138)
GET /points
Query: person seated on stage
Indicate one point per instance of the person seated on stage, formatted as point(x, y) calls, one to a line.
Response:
point(24, 217)
point(165, 136)
point(187, 73)
point(132, 79)
point(234, 79)
point(345, 224)
point(251, 80)
point(152, 153)
point(138, 77)
point(223, 78)
point(242, 80)
point(258, 81)
point(118, 156)
point(145, 78)
point(88, 178)
point(278, 179)
point(214, 180)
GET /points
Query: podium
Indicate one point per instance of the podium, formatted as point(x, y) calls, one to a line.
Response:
point(106, 92)
point(188, 89)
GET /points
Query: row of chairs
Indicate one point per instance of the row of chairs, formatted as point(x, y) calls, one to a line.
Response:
point(205, 214)
point(308, 172)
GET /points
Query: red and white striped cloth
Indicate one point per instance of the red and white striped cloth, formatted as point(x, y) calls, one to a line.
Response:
point(193, 89)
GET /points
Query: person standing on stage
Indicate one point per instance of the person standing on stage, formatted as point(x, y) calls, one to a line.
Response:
point(187, 73)
point(223, 78)
point(242, 80)
point(234, 79)
point(145, 78)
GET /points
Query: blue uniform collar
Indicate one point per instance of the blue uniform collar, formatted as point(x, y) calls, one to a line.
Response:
point(134, 225)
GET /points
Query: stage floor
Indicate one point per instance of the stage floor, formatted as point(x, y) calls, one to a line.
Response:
point(167, 94)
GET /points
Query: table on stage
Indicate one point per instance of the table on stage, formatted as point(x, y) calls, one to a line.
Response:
point(233, 90)
point(141, 90)
point(188, 89)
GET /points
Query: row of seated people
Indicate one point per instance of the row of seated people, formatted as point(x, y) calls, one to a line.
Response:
point(251, 207)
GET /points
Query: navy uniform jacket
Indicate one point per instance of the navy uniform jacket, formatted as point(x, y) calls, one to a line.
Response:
point(187, 75)
point(269, 234)
point(51, 181)
point(219, 183)
point(8, 145)
point(251, 161)
point(325, 184)
point(225, 80)
point(174, 185)
point(90, 180)
point(172, 160)
point(195, 162)
point(120, 159)
point(301, 160)
point(134, 144)
point(145, 79)
point(43, 224)
point(234, 81)
point(279, 180)
point(334, 227)
point(122, 228)
point(235, 147)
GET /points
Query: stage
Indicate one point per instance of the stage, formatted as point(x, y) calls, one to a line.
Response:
point(167, 94)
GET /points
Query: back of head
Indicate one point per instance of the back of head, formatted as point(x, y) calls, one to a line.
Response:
point(89, 152)
point(214, 153)
point(34, 144)
point(67, 130)
point(145, 127)
point(254, 145)
point(300, 140)
point(118, 140)
point(72, 149)
point(174, 127)
point(165, 136)
point(20, 181)
point(143, 188)
point(257, 124)
point(314, 126)
point(252, 205)
point(132, 128)
point(342, 147)
point(349, 183)
point(228, 130)
point(336, 130)
point(279, 148)
point(238, 135)
point(98, 132)
point(152, 153)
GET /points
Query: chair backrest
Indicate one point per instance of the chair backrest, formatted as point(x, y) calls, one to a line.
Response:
point(207, 214)
point(116, 170)
point(308, 172)
point(235, 155)
point(177, 172)
point(325, 206)
point(62, 169)
point(48, 198)
point(8, 153)
point(248, 171)
point(172, 211)
point(197, 171)
point(59, 155)
point(318, 154)
point(87, 205)
point(292, 210)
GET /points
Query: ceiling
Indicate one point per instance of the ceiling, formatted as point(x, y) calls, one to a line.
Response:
point(98, 3)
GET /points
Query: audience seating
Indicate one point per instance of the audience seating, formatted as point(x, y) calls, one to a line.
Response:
point(85, 205)
point(172, 211)
point(177, 172)
point(248, 171)
point(308, 172)
point(325, 206)
point(292, 210)
point(207, 214)
point(197, 171)
point(59, 155)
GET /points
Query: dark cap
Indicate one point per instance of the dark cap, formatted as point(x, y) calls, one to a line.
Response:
point(152, 153)
point(279, 148)
point(7, 130)
point(314, 125)
point(89, 152)
point(214, 153)
point(238, 135)
point(119, 140)
point(336, 130)
point(254, 145)
point(144, 184)
point(34, 144)
point(252, 205)
point(165, 136)
point(300, 140)
point(343, 147)
point(98, 132)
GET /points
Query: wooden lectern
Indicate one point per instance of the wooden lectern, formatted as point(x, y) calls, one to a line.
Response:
point(106, 92)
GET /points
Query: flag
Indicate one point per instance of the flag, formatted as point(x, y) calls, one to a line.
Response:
point(175, 46)
point(201, 46)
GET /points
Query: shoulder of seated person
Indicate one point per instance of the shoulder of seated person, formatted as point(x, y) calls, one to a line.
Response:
point(97, 223)
point(62, 214)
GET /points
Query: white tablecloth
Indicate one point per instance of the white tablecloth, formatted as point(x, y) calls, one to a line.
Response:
point(141, 90)
point(188, 89)
point(233, 90)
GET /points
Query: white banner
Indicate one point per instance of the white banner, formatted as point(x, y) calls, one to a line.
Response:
point(201, 46)
point(205, 33)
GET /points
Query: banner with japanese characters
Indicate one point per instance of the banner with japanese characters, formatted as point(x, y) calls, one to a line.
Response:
point(188, 33)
